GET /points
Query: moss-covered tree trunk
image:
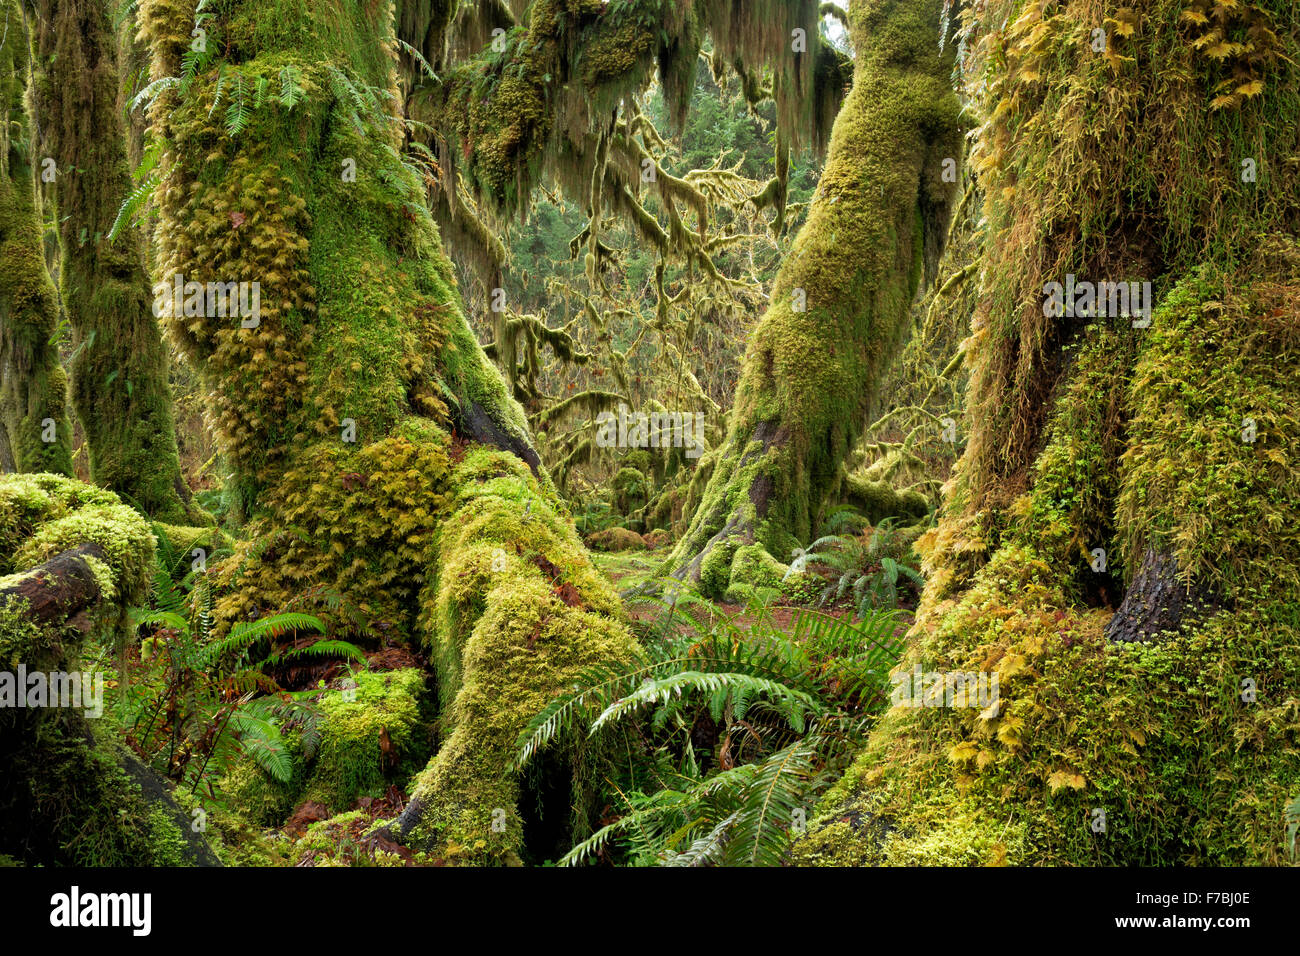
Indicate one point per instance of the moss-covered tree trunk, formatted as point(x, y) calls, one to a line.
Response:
point(375, 450)
point(840, 303)
point(34, 431)
point(119, 369)
point(1118, 546)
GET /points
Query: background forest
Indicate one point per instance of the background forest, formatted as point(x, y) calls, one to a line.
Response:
point(641, 432)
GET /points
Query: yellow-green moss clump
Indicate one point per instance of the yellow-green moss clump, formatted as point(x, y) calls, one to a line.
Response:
point(366, 737)
point(616, 539)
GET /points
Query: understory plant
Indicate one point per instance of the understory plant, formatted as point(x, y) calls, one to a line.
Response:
point(872, 569)
point(727, 731)
point(197, 701)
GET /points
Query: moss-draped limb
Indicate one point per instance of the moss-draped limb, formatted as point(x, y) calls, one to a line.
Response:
point(33, 402)
point(840, 304)
point(1116, 543)
point(541, 101)
point(365, 426)
point(119, 382)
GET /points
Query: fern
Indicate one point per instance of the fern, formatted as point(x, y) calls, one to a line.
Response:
point(247, 633)
point(151, 92)
point(237, 113)
point(418, 58)
point(291, 91)
point(788, 711)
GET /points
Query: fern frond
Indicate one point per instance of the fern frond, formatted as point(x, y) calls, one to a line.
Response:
point(134, 200)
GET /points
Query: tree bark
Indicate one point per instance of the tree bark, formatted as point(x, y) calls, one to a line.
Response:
point(61, 592)
point(34, 431)
point(119, 370)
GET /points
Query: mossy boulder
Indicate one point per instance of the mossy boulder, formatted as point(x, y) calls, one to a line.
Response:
point(371, 731)
point(615, 539)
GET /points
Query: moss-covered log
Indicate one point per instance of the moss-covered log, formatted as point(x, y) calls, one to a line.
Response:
point(119, 369)
point(72, 558)
point(34, 431)
point(364, 425)
point(1117, 545)
point(840, 304)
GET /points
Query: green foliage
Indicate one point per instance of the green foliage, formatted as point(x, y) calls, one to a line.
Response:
point(871, 569)
point(198, 703)
point(781, 712)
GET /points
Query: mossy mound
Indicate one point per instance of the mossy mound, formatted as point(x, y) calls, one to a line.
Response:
point(615, 539)
point(43, 515)
point(370, 733)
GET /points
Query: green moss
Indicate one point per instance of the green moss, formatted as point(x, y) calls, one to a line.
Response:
point(351, 760)
point(840, 304)
point(616, 539)
point(1175, 741)
point(33, 386)
point(628, 490)
point(43, 515)
point(517, 612)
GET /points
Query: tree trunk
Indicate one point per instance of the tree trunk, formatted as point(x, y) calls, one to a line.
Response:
point(1138, 461)
point(374, 446)
point(841, 300)
point(35, 434)
point(119, 370)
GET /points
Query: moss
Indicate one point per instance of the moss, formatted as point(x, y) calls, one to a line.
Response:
point(256, 797)
point(32, 382)
point(1167, 739)
point(715, 570)
point(119, 368)
point(352, 759)
point(361, 320)
point(615, 539)
point(87, 805)
point(628, 490)
point(840, 303)
point(43, 515)
point(517, 612)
